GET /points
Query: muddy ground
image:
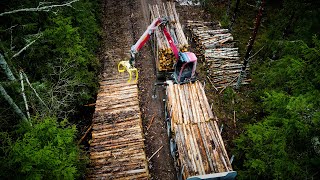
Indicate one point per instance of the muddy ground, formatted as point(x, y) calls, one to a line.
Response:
point(123, 23)
point(151, 104)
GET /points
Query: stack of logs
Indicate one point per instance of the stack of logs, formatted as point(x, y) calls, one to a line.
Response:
point(200, 146)
point(188, 2)
point(117, 145)
point(165, 56)
point(219, 53)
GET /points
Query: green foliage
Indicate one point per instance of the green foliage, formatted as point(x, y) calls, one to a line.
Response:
point(45, 151)
point(229, 94)
point(280, 146)
point(225, 22)
point(284, 143)
point(62, 61)
point(217, 10)
point(62, 67)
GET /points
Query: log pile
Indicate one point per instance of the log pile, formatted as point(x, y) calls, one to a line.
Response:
point(200, 146)
point(117, 145)
point(188, 2)
point(218, 50)
point(165, 56)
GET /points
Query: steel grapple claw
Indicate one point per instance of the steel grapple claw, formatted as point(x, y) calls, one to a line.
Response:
point(125, 66)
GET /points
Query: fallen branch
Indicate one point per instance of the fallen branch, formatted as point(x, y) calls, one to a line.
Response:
point(85, 135)
point(13, 105)
point(228, 85)
point(35, 92)
point(88, 105)
point(212, 83)
point(24, 95)
point(155, 153)
point(24, 48)
point(39, 8)
point(255, 53)
point(150, 122)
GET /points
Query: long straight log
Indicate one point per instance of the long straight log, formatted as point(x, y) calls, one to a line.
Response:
point(217, 149)
point(204, 97)
point(200, 114)
point(187, 143)
point(183, 154)
point(186, 118)
point(193, 104)
point(222, 146)
point(188, 104)
point(199, 150)
point(179, 104)
point(193, 150)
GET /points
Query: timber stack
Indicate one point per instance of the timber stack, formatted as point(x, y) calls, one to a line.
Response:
point(117, 145)
point(218, 50)
point(195, 130)
point(164, 54)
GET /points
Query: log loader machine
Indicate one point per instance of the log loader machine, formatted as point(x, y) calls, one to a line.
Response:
point(183, 72)
point(186, 62)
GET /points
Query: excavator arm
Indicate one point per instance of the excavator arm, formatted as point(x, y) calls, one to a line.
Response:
point(185, 62)
point(146, 36)
point(129, 65)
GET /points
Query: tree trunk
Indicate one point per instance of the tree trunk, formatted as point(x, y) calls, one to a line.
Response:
point(24, 95)
point(287, 29)
point(4, 66)
point(4, 94)
point(228, 8)
point(251, 42)
point(13, 105)
point(234, 14)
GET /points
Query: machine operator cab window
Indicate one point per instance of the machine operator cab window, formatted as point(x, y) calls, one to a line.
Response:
point(185, 68)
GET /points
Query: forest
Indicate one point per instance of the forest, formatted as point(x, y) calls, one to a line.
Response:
point(49, 69)
point(49, 59)
point(279, 112)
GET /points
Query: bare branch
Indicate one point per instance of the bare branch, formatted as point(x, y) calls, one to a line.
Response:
point(35, 92)
point(40, 8)
point(10, 28)
point(255, 53)
point(24, 95)
point(24, 48)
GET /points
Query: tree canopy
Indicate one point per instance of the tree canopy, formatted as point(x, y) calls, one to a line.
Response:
point(280, 138)
point(49, 70)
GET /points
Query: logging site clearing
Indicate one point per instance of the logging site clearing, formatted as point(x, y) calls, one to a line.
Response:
point(152, 127)
point(160, 89)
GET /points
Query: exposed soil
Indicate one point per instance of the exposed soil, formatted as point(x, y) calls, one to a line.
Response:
point(123, 23)
point(152, 105)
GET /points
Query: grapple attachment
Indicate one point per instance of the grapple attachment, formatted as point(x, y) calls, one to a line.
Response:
point(125, 66)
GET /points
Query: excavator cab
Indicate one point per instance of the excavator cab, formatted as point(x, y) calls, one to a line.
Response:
point(185, 68)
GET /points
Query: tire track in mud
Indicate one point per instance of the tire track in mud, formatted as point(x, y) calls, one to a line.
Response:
point(117, 35)
point(123, 23)
point(161, 165)
point(117, 151)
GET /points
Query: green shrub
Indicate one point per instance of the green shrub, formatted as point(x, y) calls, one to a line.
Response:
point(282, 145)
point(45, 151)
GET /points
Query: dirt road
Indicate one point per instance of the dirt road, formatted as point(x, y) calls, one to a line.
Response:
point(152, 105)
point(123, 23)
